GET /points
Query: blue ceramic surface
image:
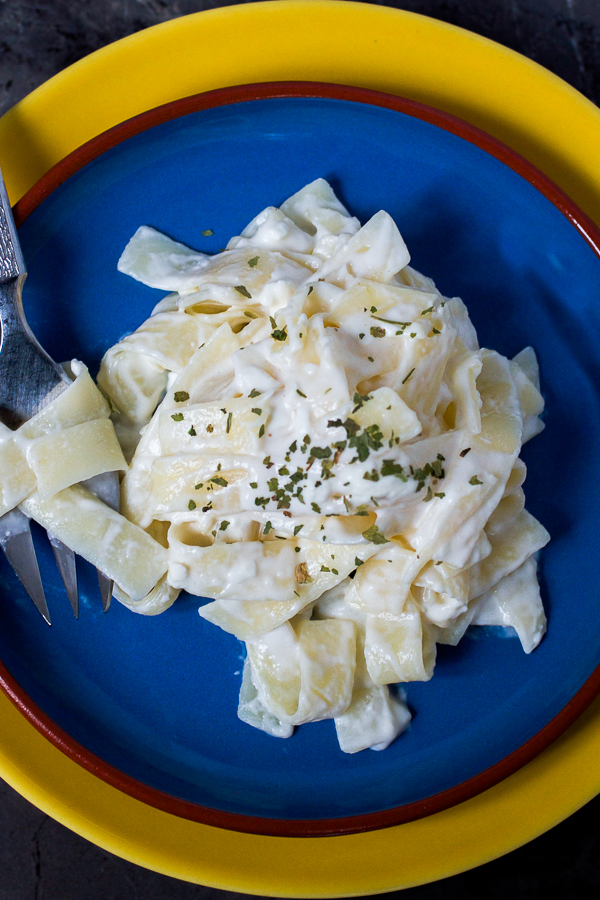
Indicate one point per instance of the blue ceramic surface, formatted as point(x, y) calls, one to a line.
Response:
point(157, 697)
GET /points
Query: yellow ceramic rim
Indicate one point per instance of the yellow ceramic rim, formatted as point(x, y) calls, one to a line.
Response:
point(389, 50)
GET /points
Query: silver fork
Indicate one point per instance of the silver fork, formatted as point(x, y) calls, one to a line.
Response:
point(30, 379)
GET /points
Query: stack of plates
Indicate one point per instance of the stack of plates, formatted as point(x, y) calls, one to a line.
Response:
point(126, 727)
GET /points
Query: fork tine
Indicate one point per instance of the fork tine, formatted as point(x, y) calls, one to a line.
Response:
point(106, 589)
point(65, 560)
point(17, 543)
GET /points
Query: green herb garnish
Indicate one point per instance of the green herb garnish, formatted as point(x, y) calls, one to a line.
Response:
point(400, 325)
point(279, 334)
point(374, 535)
point(389, 467)
point(373, 475)
point(320, 452)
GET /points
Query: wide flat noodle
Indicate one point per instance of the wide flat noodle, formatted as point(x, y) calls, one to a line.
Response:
point(17, 480)
point(513, 542)
point(306, 673)
point(515, 602)
point(373, 719)
point(398, 648)
point(253, 712)
point(67, 457)
point(267, 582)
point(80, 402)
point(70, 440)
point(120, 549)
point(160, 598)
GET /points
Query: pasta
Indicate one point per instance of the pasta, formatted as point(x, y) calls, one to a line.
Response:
point(42, 465)
point(318, 445)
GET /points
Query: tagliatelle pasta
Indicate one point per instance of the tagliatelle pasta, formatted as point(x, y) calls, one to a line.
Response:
point(328, 455)
point(319, 446)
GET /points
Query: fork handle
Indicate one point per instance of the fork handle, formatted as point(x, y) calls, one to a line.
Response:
point(11, 304)
point(24, 363)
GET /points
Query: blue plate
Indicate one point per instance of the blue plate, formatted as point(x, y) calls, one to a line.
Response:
point(156, 698)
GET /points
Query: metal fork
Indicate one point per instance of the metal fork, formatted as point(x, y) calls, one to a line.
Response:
point(30, 379)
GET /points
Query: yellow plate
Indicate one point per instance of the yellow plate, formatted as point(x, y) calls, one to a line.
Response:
point(402, 53)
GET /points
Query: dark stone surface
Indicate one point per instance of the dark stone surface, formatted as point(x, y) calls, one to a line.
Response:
point(39, 858)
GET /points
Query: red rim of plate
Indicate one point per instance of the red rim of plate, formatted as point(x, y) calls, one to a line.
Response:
point(302, 827)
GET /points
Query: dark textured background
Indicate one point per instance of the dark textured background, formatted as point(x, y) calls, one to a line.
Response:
point(42, 860)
